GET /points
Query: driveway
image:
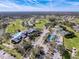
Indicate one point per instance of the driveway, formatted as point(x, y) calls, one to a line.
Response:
point(56, 55)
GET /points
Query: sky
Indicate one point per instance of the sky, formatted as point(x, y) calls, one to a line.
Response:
point(39, 5)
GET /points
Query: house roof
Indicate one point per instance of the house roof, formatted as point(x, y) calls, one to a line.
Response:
point(76, 27)
point(30, 30)
point(16, 36)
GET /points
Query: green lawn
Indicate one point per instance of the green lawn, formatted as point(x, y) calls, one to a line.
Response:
point(14, 26)
point(11, 51)
point(72, 42)
point(41, 23)
point(14, 53)
point(77, 20)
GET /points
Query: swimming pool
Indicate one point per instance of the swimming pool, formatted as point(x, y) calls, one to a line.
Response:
point(51, 37)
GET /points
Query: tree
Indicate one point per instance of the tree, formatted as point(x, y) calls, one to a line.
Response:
point(1, 40)
point(52, 19)
point(7, 35)
point(19, 49)
point(61, 49)
point(66, 55)
point(4, 25)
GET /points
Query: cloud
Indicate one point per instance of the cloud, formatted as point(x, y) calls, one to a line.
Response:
point(9, 6)
point(74, 3)
point(39, 5)
point(12, 6)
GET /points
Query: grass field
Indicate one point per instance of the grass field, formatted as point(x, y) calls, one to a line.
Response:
point(77, 20)
point(14, 26)
point(72, 42)
point(41, 23)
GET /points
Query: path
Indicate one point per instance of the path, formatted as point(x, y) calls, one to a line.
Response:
point(40, 41)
